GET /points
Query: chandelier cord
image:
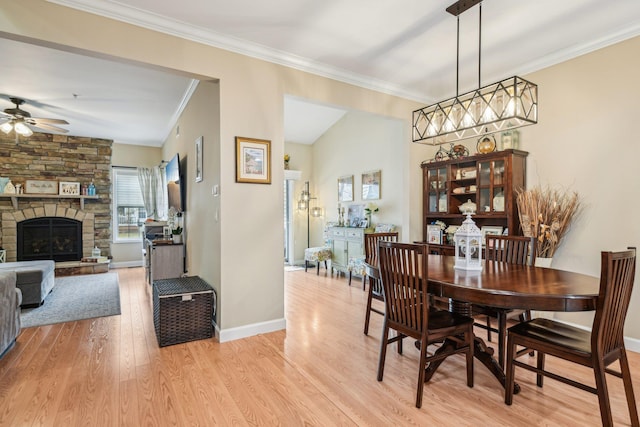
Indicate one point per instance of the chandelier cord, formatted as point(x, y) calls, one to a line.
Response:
point(479, 43)
point(457, 54)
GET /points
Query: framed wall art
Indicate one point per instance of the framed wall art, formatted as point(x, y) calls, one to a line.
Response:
point(35, 186)
point(371, 182)
point(69, 188)
point(345, 188)
point(253, 160)
point(199, 159)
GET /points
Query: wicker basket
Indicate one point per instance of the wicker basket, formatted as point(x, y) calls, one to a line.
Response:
point(182, 310)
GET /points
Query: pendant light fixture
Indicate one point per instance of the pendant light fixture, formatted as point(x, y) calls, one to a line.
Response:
point(507, 104)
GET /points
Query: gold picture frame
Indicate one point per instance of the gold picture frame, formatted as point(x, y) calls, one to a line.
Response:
point(253, 160)
point(371, 184)
point(345, 188)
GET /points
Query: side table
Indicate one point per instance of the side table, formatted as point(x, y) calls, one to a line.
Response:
point(182, 310)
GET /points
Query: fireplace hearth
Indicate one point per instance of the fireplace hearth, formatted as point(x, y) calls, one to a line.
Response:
point(56, 238)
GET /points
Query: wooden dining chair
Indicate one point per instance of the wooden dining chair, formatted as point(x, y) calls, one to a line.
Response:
point(403, 272)
point(514, 250)
point(372, 272)
point(596, 349)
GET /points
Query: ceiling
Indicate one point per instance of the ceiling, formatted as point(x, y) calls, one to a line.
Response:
point(406, 49)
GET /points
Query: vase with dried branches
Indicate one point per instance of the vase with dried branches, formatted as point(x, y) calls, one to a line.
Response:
point(546, 214)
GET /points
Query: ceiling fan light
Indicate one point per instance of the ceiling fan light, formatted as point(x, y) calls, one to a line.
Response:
point(6, 127)
point(23, 129)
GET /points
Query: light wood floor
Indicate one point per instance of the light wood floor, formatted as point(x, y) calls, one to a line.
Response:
point(321, 371)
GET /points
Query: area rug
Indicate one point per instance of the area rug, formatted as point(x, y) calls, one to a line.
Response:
point(76, 298)
point(292, 268)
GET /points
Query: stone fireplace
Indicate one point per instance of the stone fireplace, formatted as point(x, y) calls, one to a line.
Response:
point(11, 220)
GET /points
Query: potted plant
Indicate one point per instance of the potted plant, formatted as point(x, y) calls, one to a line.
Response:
point(176, 234)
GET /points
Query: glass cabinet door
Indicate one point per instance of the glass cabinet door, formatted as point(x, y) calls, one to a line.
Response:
point(491, 182)
point(437, 182)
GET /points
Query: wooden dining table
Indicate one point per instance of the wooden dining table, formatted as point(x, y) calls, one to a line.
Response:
point(505, 285)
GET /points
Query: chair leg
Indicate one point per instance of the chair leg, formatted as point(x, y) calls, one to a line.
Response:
point(367, 315)
point(489, 328)
point(421, 373)
point(502, 335)
point(510, 371)
point(540, 365)
point(603, 394)
point(470, 339)
point(306, 264)
point(317, 268)
point(383, 349)
point(628, 388)
point(364, 279)
point(349, 277)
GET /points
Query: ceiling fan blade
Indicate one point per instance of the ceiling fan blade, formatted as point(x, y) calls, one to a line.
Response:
point(50, 121)
point(46, 127)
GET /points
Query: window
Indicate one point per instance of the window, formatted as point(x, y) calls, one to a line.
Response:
point(128, 207)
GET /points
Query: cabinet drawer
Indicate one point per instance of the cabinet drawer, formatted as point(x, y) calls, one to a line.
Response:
point(337, 232)
point(355, 234)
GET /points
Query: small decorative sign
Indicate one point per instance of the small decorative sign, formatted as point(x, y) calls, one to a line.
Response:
point(69, 188)
point(33, 186)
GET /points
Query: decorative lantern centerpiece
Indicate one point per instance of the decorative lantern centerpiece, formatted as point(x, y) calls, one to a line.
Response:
point(468, 241)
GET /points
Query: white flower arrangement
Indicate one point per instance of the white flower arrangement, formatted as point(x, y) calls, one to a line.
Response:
point(371, 208)
point(452, 229)
point(441, 224)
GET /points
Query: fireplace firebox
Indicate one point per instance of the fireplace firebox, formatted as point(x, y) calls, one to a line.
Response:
point(59, 239)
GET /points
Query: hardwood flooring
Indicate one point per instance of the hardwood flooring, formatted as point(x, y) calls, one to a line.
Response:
point(321, 371)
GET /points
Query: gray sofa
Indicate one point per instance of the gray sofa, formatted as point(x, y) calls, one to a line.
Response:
point(34, 278)
point(10, 299)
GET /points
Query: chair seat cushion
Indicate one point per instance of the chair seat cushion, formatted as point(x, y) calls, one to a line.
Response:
point(321, 253)
point(356, 265)
point(555, 333)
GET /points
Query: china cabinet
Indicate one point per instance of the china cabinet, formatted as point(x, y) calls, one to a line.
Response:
point(488, 180)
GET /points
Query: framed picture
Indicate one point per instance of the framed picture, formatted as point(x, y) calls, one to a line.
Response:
point(253, 160)
point(371, 182)
point(492, 230)
point(345, 188)
point(364, 223)
point(69, 188)
point(355, 213)
point(34, 186)
point(199, 159)
point(434, 234)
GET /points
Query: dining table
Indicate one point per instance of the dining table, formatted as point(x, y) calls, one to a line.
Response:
point(510, 286)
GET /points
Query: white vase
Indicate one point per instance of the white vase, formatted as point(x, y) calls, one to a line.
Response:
point(177, 238)
point(543, 262)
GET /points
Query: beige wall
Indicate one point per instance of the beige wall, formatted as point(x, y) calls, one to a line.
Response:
point(130, 254)
point(593, 154)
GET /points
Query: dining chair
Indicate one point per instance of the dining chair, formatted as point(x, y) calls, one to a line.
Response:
point(372, 272)
point(596, 349)
point(403, 272)
point(514, 250)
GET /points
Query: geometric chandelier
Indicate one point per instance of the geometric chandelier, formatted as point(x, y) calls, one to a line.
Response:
point(507, 104)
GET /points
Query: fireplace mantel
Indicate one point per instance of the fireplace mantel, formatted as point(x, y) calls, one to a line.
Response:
point(14, 198)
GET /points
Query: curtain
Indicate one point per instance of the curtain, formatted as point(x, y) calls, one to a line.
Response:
point(152, 185)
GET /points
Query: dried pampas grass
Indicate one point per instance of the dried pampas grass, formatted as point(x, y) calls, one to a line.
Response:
point(546, 214)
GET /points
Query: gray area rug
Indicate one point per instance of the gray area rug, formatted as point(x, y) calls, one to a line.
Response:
point(76, 298)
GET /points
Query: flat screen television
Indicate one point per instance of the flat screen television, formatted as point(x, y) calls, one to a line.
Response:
point(175, 184)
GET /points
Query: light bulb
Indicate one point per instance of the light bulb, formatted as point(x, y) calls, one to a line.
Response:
point(6, 127)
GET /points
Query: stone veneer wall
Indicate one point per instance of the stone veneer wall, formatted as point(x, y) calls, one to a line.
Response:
point(44, 156)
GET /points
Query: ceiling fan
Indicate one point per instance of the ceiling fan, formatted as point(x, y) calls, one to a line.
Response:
point(21, 121)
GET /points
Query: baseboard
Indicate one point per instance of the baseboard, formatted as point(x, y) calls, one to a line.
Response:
point(126, 264)
point(246, 331)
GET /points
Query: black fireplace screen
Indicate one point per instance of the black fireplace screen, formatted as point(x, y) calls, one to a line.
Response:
point(59, 239)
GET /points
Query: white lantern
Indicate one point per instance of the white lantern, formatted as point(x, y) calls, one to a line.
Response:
point(468, 241)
